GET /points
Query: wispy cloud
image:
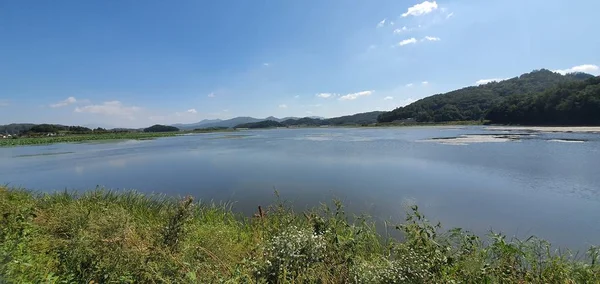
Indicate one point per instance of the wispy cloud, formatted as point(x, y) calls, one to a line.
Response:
point(424, 83)
point(355, 96)
point(388, 98)
point(585, 68)
point(381, 24)
point(409, 85)
point(212, 95)
point(296, 96)
point(421, 9)
point(431, 38)
point(485, 81)
point(266, 64)
point(283, 106)
point(325, 95)
point(450, 15)
point(68, 101)
point(401, 30)
point(111, 108)
point(411, 40)
point(193, 110)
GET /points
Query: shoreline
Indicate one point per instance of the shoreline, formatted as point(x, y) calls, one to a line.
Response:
point(566, 129)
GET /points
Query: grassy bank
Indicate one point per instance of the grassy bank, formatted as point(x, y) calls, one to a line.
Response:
point(121, 237)
point(83, 137)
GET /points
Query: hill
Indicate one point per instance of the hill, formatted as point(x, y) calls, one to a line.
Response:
point(161, 128)
point(15, 128)
point(199, 124)
point(260, 124)
point(359, 118)
point(576, 103)
point(472, 103)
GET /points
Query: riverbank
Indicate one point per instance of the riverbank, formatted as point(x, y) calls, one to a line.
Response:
point(73, 138)
point(108, 236)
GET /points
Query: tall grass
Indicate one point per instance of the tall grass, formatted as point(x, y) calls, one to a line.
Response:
point(83, 137)
point(104, 236)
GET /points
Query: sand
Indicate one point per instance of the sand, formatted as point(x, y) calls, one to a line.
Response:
point(578, 129)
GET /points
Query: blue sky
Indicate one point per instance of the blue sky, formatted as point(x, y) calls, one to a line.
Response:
point(133, 63)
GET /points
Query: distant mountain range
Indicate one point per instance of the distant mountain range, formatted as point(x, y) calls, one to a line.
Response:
point(355, 119)
point(229, 123)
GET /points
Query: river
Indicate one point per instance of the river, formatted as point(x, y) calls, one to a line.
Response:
point(516, 182)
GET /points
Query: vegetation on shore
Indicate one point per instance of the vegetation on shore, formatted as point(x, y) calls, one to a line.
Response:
point(44, 134)
point(70, 138)
point(105, 236)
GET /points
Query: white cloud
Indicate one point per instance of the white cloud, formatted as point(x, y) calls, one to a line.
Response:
point(381, 24)
point(408, 41)
point(421, 9)
point(266, 64)
point(193, 110)
point(388, 98)
point(450, 15)
point(282, 106)
point(112, 108)
point(586, 68)
point(68, 101)
point(296, 96)
point(485, 81)
point(355, 96)
point(211, 95)
point(409, 85)
point(399, 31)
point(424, 83)
point(325, 95)
point(392, 23)
point(431, 38)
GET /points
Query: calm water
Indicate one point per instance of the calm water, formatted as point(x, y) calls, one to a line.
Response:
point(532, 186)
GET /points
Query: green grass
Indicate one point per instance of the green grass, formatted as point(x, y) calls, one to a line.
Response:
point(83, 138)
point(104, 236)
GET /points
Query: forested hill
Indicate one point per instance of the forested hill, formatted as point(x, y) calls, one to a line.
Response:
point(473, 103)
point(576, 103)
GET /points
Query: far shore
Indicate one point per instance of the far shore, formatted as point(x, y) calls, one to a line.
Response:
point(578, 129)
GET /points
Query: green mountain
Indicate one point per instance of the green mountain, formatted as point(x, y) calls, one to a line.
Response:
point(576, 103)
point(472, 103)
